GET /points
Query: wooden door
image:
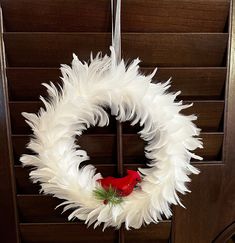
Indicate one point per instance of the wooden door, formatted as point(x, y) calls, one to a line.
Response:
point(190, 40)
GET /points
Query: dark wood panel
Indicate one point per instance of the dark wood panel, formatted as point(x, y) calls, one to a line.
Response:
point(133, 147)
point(25, 186)
point(176, 50)
point(94, 144)
point(212, 143)
point(40, 208)
point(210, 114)
point(52, 49)
point(71, 232)
point(19, 126)
point(174, 16)
point(65, 233)
point(203, 208)
point(37, 208)
point(211, 204)
point(9, 230)
point(133, 153)
point(79, 15)
point(226, 206)
point(195, 83)
point(151, 234)
point(163, 50)
point(25, 84)
point(23, 183)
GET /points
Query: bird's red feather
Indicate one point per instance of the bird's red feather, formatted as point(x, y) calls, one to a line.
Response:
point(125, 185)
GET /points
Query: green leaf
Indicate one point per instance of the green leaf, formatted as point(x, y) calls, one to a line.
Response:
point(108, 196)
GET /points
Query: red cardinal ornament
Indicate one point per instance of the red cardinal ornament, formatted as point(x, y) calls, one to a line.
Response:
point(123, 186)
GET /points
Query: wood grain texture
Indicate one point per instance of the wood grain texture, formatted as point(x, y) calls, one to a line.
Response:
point(71, 232)
point(227, 235)
point(8, 212)
point(25, 186)
point(210, 114)
point(152, 233)
point(40, 208)
point(137, 15)
point(211, 205)
point(133, 147)
point(35, 208)
point(195, 83)
point(227, 197)
point(94, 143)
point(202, 213)
point(64, 233)
point(19, 125)
point(163, 49)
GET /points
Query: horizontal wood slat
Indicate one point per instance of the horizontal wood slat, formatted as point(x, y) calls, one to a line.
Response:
point(162, 49)
point(40, 208)
point(201, 205)
point(151, 233)
point(133, 151)
point(198, 83)
point(76, 232)
point(64, 233)
point(19, 126)
point(133, 147)
point(210, 114)
point(79, 15)
point(102, 148)
point(25, 187)
point(94, 145)
point(194, 83)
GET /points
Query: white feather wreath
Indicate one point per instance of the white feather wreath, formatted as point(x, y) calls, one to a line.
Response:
point(88, 89)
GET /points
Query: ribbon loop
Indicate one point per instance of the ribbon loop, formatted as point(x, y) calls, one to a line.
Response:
point(116, 28)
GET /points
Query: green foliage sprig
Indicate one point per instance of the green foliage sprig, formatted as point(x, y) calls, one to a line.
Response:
point(109, 195)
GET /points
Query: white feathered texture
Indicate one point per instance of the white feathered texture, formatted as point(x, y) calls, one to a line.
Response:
point(80, 103)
